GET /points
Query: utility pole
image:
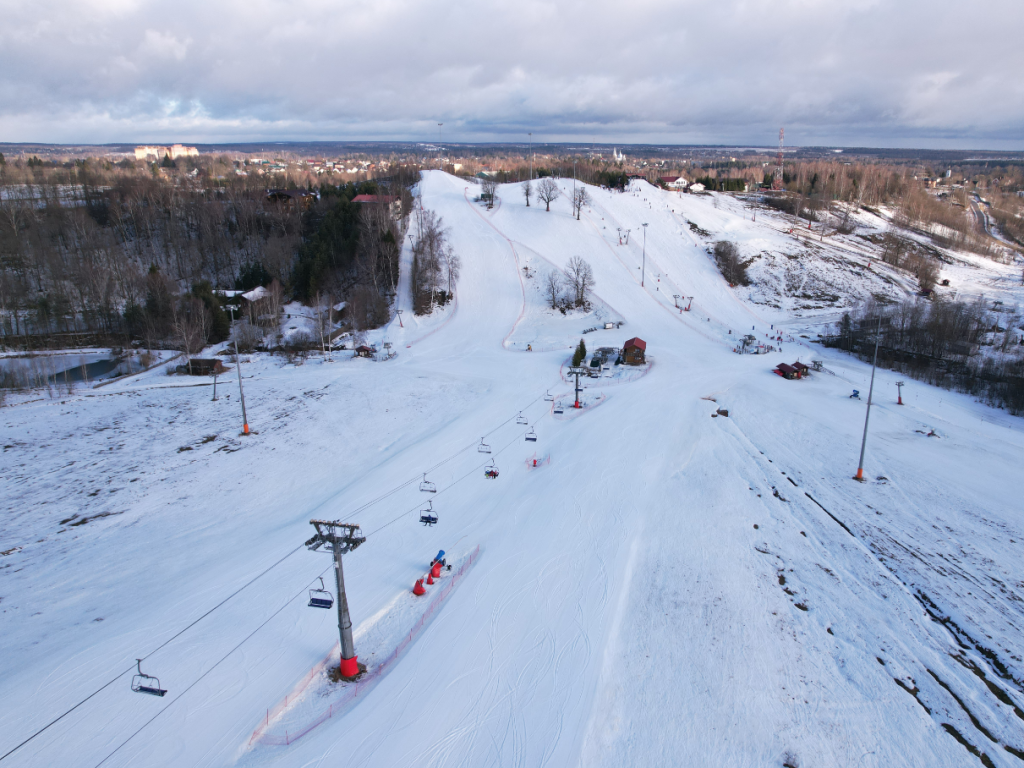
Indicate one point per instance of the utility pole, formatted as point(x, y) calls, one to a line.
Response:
point(238, 367)
point(439, 166)
point(643, 269)
point(339, 539)
point(864, 441)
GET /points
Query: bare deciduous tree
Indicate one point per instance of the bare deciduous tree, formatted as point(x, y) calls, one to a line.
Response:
point(579, 199)
point(547, 192)
point(191, 326)
point(489, 191)
point(553, 288)
point(580, 278)
point(527, 192)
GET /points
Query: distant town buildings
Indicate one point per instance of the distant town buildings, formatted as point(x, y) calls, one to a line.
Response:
point(157, 153)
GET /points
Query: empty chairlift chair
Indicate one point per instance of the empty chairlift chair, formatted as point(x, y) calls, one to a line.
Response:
point(531, 436)
point(491, 471)
point(143, 683)
point(549, 397)
point(427, 486)
point(427, 516)
point(520, 419)
point(320, 598)
point(483, 447)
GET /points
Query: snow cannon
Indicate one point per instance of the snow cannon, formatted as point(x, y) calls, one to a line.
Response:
point(350, 667)
point(439, 558)
point(435, 571)
point(418, 589)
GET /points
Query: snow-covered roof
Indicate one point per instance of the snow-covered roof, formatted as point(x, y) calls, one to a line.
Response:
point(255, 294)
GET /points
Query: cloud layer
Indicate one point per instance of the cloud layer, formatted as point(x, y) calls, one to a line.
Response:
point(839, 72)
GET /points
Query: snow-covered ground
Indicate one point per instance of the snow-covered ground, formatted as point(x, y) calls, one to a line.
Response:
point(664, 588)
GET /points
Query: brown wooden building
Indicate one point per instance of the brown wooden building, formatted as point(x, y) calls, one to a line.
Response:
point(634, 351)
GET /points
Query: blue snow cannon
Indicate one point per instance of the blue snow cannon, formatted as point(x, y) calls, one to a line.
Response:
point(439, 558)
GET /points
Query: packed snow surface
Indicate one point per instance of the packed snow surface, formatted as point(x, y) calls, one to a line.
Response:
point(668, 586)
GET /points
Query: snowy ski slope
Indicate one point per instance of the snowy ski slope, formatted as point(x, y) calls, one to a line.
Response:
point(667, 589)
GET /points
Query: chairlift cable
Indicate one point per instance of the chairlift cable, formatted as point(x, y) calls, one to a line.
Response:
point(159, 647)
point(474, 470)
point(254, 579)
point(223, 658)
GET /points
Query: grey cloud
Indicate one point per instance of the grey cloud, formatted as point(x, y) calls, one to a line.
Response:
point(857, 72)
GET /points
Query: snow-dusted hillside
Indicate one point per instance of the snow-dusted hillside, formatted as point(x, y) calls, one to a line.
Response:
point(666, 587)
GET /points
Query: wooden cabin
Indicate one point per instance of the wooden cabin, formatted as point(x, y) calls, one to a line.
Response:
point(634, 351)
point(201, 366)
point(787, 371)
point(364, 351)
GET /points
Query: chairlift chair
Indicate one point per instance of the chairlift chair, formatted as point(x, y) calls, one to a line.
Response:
point(320, 598)
point(520, 419)
point(491, 471)
point(559, 409)
point(483, 447)
point(143, 683)
point(427, 486)
point(531, 436)
point(427, 516)
point(549, 397)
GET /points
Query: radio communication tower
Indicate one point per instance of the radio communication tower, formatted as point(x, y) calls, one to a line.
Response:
point(777, 176)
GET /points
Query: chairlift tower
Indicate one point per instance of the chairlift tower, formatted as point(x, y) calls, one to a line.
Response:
point(338, 539)
point(576, 371)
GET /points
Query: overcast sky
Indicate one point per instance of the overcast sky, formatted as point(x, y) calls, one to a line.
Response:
point(902, 73)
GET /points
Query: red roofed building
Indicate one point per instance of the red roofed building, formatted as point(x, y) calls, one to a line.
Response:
point(392, 202)
point(634, 351)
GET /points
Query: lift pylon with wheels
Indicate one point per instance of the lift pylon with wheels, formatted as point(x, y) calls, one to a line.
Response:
point(338, 539)
point(577, 372)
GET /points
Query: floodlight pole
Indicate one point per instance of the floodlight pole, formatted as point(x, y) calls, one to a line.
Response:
point(899, 390)
point(399, 313)
point(864, 441)
point(238, 367)
point(338, 539)
point(531, 155)
point(643, 269)
point(439, 166)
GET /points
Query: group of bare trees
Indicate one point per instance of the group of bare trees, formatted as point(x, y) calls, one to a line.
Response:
point(732, 267)
point(76, 249)
point(435, 269)
point(572, 287)
point(960, 345)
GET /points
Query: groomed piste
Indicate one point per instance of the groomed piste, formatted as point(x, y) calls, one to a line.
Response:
point(668, 589)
